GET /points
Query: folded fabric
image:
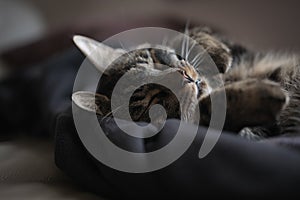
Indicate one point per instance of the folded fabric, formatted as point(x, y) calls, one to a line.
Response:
point(234, 168)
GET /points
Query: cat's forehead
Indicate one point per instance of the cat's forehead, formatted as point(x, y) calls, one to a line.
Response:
point(147, 56)
point(154, 46)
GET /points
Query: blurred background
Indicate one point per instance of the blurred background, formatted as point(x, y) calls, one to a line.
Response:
point(262, 25)
point(32, 31)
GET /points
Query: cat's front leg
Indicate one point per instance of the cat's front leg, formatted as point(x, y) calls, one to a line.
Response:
point(249, 103)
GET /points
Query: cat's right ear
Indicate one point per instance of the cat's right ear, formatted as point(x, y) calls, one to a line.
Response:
point(99, 54)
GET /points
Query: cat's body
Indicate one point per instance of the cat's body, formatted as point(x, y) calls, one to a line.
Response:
point(282, 69)
point(263, 90)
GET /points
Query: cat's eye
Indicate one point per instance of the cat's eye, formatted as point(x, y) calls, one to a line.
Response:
point(179, 57)
point(186, 76)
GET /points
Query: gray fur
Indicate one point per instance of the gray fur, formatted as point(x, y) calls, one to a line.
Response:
point(263, 90)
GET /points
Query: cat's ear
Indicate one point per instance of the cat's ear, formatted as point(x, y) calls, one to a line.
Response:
point(99, 54)
point(92, 102)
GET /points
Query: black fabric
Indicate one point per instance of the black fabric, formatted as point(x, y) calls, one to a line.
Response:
point(235, 167)
point(71, 157)
point(31, 98)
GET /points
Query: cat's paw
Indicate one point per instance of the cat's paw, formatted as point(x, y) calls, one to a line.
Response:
point(254, 103)
point(214, 44)
point(249, 103)
point(271, 98)
point(248, 134)
point(144, 59)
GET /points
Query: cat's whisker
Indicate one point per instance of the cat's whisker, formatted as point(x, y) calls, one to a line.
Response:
point(125, 49)
point(122, 45)
point(164, 41)
point(186, 47)
point(110, 113)
point(196, 58)
point(186, 28)
point(182, 46)
point(190, 50)
point(186, 35)
point(198, 62)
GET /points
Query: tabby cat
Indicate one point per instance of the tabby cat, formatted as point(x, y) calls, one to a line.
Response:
point(262, 89)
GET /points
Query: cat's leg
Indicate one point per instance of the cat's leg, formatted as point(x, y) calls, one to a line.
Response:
point(223, 52)
point(250, 103)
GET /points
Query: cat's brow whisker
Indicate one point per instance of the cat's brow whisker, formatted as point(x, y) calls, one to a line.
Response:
point(196, 58)
point(122, 45)
point(182, 46)
point(127, 53)
point(164, 41)
point(198, 61)
point(187, 47)
point(190, 50)
point(186, 35)
point(186, 28)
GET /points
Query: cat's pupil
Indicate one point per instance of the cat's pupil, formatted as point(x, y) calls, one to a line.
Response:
point(187, 77)
point(179, 57)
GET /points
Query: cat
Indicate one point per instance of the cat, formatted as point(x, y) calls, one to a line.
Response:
point(262, 89)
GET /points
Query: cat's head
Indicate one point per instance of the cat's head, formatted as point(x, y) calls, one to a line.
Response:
point(157, 66)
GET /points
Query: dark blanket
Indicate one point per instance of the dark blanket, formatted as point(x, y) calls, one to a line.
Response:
point(235, 167)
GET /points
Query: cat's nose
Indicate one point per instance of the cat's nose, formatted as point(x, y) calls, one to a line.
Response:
point(197, 82)
point(186, 76)
point(199, 87)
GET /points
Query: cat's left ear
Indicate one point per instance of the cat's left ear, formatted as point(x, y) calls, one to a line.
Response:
point(98, 53)
point(91, 102)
